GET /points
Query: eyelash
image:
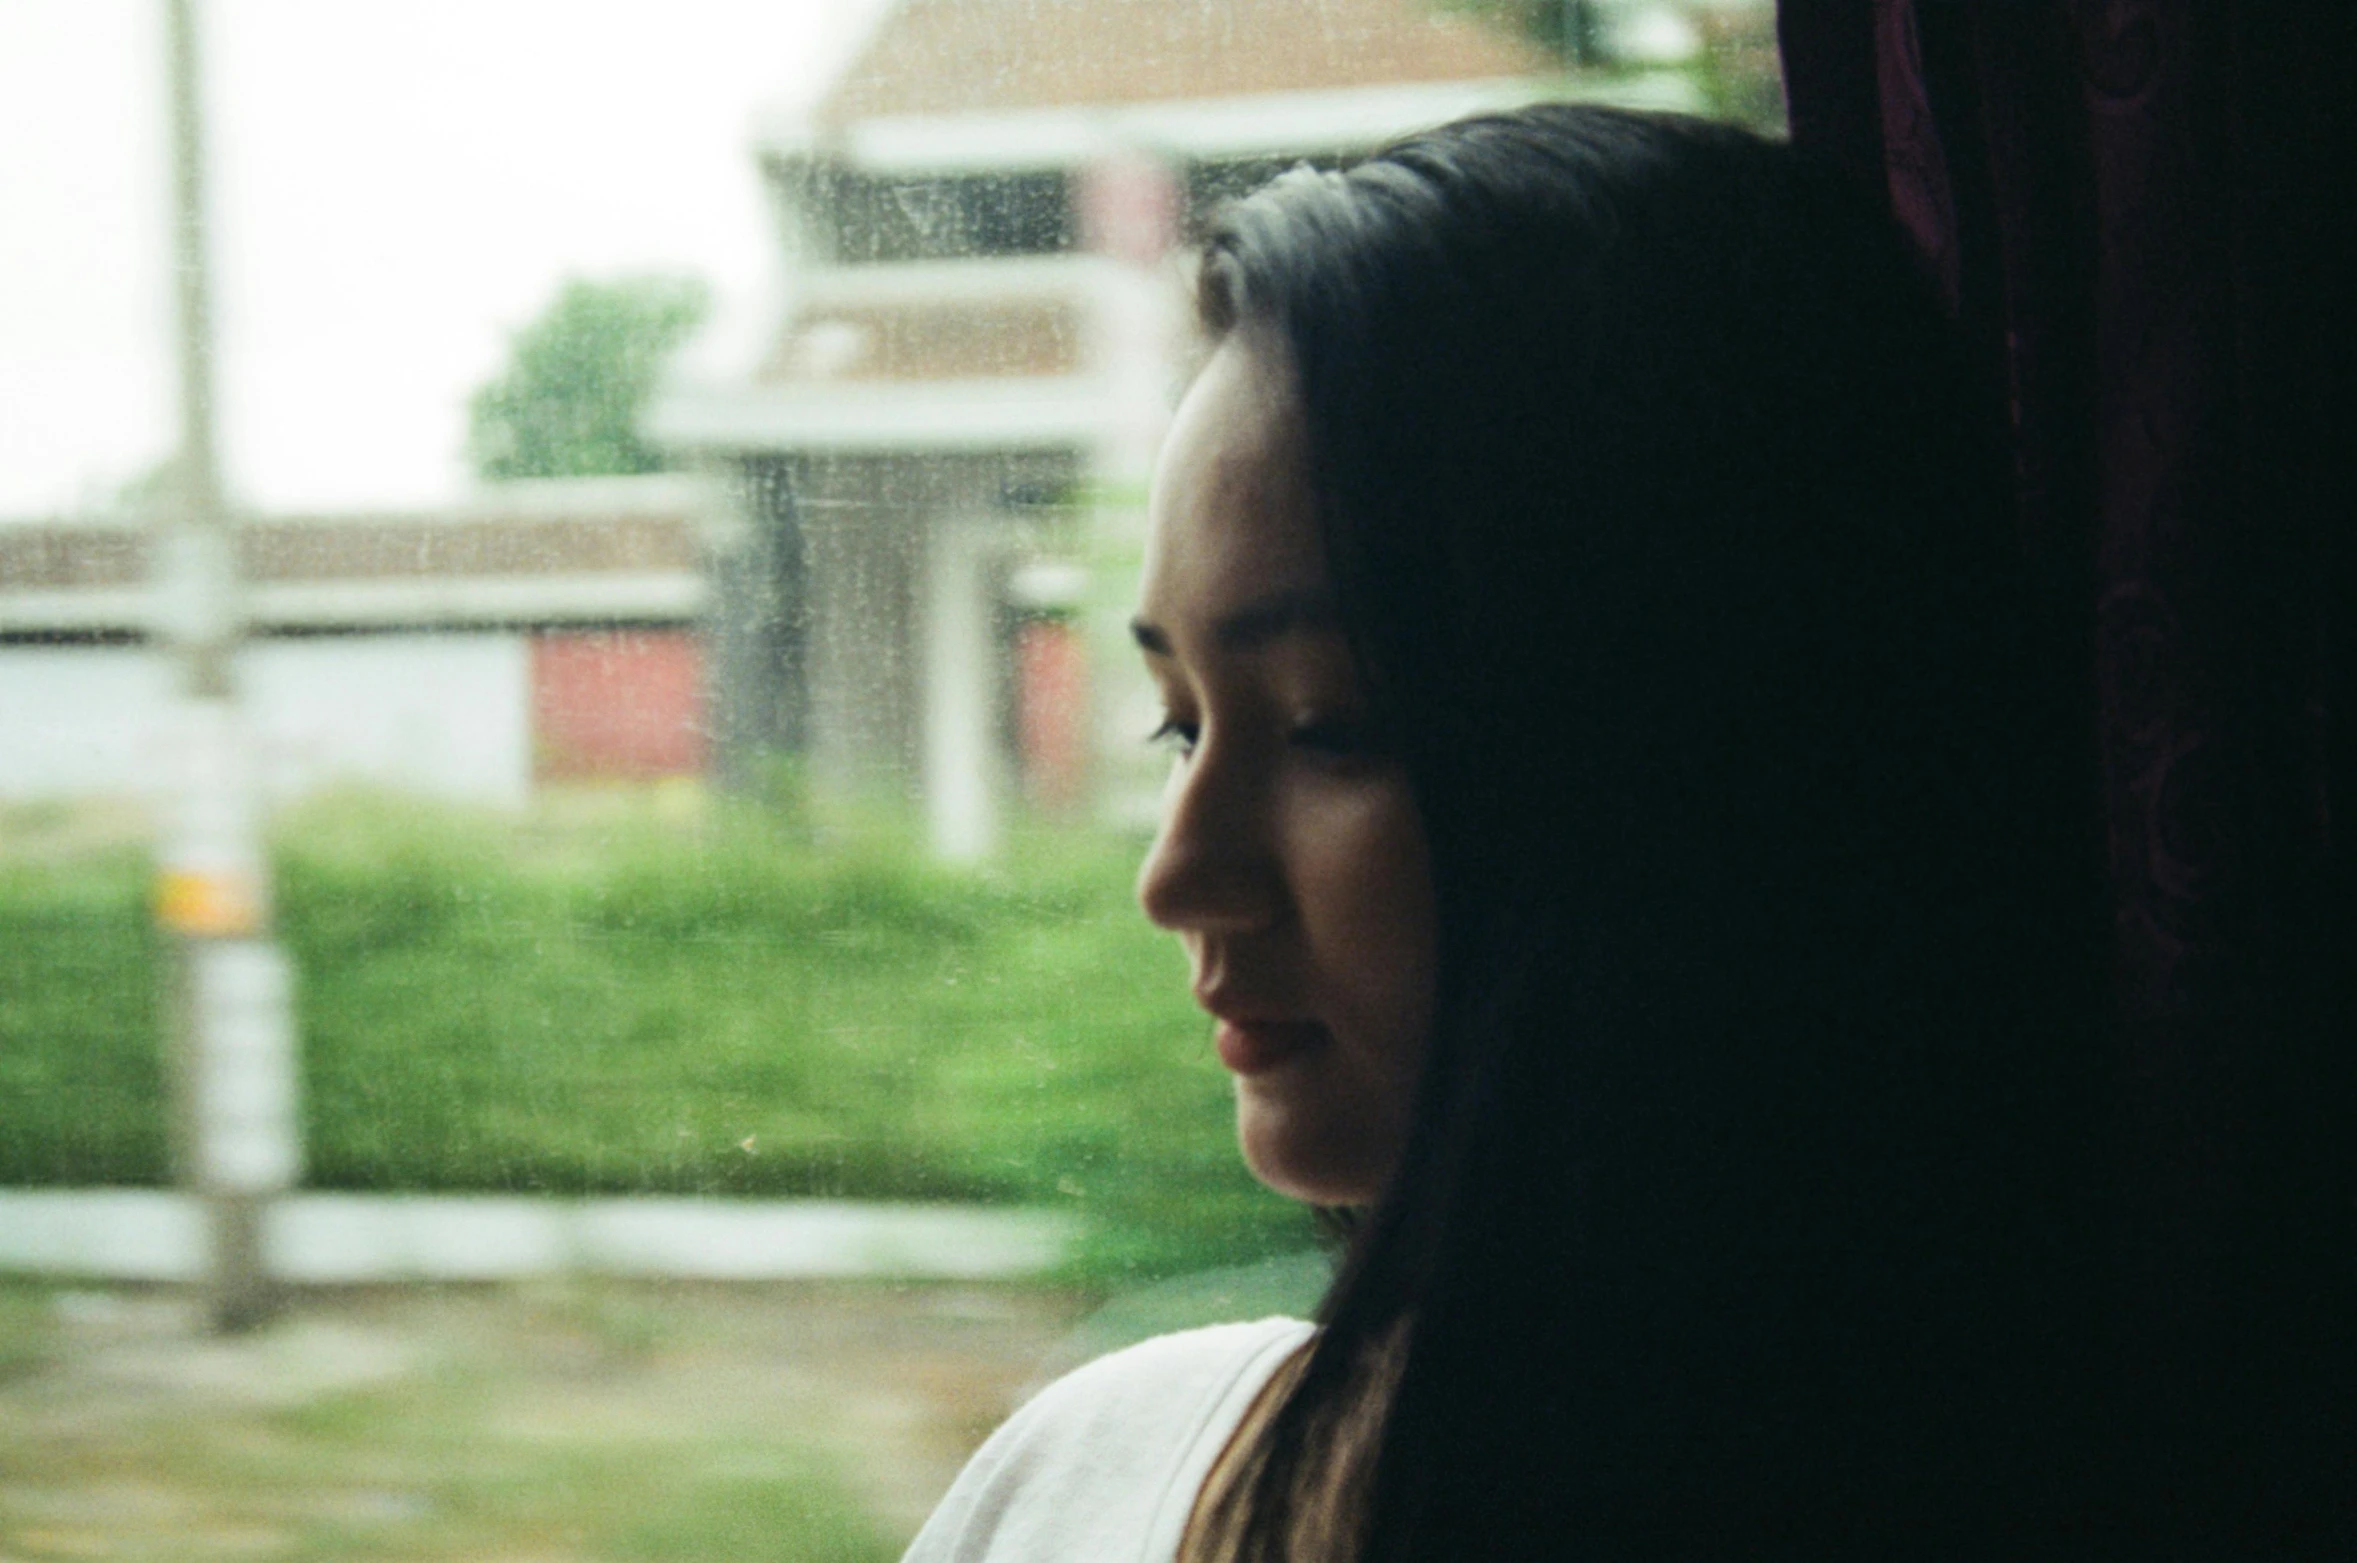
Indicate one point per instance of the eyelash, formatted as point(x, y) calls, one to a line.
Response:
point(1335, 740)
point(1174, 735)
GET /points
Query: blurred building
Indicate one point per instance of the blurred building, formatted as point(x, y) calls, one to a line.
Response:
point(540, 633)
point(941, 453)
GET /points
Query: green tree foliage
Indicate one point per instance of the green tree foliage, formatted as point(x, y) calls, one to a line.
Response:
point(577, 378)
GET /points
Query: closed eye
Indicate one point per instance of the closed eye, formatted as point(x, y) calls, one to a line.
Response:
point(1176, 736)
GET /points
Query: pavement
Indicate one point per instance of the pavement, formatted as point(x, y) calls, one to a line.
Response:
point(535, 1381)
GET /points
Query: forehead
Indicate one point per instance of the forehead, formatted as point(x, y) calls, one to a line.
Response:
point(1231, 515)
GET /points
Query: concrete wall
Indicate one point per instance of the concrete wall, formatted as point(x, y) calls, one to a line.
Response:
point(863, 621)
point(448, 715)
point(862, 526)
point(757, 632)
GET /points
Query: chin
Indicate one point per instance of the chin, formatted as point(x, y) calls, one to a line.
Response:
point(1317, 1163)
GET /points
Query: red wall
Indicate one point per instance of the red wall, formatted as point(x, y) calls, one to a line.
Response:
point(1052, 717)
point(617, 705)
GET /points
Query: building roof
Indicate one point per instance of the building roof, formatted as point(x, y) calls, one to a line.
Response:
point(567, 551)
point(935, 57)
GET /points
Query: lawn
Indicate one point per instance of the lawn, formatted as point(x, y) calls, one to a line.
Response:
point(617, 1003)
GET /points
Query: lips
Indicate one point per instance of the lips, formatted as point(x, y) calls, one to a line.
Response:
point(1252, 1036)
point(1257, 1046)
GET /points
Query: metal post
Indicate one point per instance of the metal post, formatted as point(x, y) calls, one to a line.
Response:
point(227, 993)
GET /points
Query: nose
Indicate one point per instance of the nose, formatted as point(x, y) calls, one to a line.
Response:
point(1211, 869)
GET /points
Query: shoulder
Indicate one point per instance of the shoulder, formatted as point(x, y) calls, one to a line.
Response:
point(1147, 1374)
point(1105, 1462)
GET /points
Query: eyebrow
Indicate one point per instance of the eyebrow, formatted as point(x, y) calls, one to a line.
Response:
point(1308, 610)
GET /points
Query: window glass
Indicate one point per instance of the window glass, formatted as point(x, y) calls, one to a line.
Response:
point(867, 218)
point(567, 824)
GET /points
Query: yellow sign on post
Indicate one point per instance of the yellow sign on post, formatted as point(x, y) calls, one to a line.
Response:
point(211, 881)
point(207, 905)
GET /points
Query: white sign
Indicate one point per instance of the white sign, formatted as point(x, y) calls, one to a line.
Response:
point(242, 1000)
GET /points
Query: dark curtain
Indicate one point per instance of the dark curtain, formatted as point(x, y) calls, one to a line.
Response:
point(2135, 207)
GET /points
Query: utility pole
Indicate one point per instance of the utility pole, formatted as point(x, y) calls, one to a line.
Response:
point(228, 988)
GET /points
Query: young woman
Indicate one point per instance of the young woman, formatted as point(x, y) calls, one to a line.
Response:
point(1624, 864)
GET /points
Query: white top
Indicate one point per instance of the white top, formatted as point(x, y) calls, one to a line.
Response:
point(1103, 1466)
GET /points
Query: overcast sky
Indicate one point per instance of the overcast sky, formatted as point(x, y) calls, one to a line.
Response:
point(397, 184)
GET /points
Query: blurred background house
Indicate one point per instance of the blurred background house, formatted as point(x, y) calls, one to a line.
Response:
point(939, 458)
point(899, 562)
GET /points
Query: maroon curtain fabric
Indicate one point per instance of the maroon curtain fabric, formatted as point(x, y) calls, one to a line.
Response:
point(2135, 209)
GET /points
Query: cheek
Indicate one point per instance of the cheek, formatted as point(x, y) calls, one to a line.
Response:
point(1367, 905)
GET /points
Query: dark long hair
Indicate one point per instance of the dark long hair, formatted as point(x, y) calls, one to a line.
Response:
point(1746, 1208)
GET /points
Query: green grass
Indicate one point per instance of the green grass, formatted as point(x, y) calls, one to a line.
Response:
point(625, 1006)
point(500, 1436)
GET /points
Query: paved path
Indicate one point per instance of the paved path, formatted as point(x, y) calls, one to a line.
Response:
point(157, 1235)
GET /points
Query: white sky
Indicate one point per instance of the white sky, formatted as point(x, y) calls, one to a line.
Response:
point(396, 185)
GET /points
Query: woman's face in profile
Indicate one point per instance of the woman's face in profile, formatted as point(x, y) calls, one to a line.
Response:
point(1291, 861)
